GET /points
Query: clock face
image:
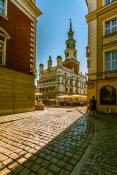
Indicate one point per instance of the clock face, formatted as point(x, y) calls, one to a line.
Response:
point(70, 46)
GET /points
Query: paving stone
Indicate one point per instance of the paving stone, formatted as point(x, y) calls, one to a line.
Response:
point(45, 164)
point(73, 161)
point(28, 164)
point(54, 168)
point(69, 167)
point(31, 173)
point(17, 169)
point(50, 173)
point(4, 171)
point(42, 171)
point(48, 157)
point(39, 160)
point(64, 172)
point(54, 160)
point(60, 156)
point(25, 171)
point(66, 158)
point(42, 155)
point(35, 168)
point(61, 164)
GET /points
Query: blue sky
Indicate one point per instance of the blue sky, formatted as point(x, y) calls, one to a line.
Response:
point(53, 26)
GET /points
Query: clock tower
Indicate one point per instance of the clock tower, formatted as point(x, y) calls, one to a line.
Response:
point(71, 52)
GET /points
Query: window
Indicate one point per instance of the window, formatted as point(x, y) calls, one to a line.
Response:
point(2, 7)
point(111, 61)
point(108, 1)
point(67, 54)
point(111, 26)
point(1, 52)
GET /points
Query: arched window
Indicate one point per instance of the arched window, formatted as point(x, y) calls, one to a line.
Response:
point(4, 36)
point(108, 95)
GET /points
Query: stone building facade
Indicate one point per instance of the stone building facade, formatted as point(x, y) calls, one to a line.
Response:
point(64, 78)
point(17, 55)
point(102, 53)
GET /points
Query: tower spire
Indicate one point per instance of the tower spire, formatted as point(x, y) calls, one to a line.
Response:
point(70, 52)
point(70, 25)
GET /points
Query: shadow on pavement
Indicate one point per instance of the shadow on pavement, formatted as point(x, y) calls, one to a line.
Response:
point(61, 154)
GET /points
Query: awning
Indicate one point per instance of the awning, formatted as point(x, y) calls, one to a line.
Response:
point(37, 93)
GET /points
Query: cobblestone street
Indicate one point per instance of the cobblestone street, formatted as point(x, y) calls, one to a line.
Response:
point(58, 141)
point(101, 156)
point(43, 142)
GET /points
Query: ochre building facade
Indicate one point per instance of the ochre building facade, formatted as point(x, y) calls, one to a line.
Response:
point(102, 53)
point(17, 55)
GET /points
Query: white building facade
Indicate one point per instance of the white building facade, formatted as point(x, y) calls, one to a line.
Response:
point(64, 78)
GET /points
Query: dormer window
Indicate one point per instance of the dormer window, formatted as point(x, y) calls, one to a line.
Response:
point(3, 7)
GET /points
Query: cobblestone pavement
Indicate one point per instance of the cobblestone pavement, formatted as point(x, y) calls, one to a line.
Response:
point(48, 142)
point(101, 156)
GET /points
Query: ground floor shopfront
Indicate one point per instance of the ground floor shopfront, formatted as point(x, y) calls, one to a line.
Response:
point(105, 91)
point(16, 92)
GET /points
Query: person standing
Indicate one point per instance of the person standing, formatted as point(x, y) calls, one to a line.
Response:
point(93, 103)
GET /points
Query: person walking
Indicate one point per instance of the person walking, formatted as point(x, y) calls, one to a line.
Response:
point(93, 103)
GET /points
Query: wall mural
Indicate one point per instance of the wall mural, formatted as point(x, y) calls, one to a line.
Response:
point(108, 95)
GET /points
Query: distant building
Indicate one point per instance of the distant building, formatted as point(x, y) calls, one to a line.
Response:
point(64, 78)
point(17, 55)
point(102, 53)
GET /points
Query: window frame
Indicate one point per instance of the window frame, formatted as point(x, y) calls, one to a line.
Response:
point(4, 53)
point(5, 37)
point(110, 61)
point(105, 3)
point(111, 26)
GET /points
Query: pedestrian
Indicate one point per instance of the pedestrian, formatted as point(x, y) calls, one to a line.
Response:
point(93, 102)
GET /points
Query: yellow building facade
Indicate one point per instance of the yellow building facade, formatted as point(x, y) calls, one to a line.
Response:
point(102, 53)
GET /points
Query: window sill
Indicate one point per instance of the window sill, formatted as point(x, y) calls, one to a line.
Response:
point(110, 34)
point(110, 71)
point(2, 65)
point(4, 17)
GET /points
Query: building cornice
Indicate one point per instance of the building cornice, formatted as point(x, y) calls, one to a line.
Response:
point(27, 7)
point(101, 11)
point(86, 2)
point(69, 60)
